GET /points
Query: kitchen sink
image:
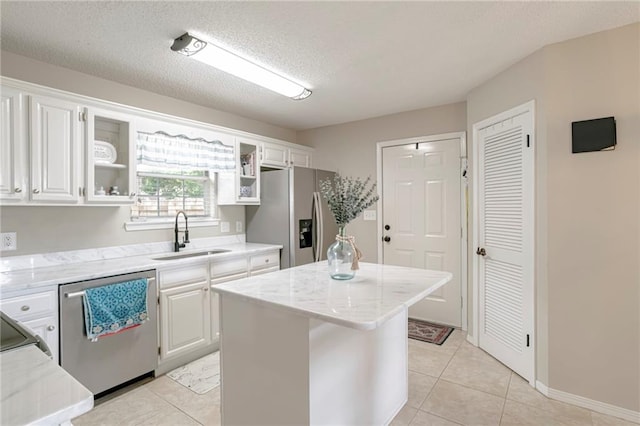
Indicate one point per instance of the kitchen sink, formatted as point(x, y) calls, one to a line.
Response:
point(192, 254)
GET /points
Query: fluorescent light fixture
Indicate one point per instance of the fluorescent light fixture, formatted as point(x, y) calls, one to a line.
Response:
point(231, 63)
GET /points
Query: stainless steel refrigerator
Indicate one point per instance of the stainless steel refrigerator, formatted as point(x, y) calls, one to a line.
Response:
point(293, 213)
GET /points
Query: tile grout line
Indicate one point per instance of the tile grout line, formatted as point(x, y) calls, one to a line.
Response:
point(172, 404)
point(504, 402)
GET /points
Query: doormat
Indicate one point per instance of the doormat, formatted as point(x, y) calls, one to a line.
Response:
point(201, 375)
point(428, 332)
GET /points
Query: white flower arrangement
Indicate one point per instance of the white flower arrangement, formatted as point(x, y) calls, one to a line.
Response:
point(348, 197)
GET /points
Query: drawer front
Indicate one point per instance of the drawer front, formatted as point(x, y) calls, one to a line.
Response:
point(228, 267)
point(264, 270)
point(228, 278)
point(184, 275)
point(32, 305)
point(266, 260)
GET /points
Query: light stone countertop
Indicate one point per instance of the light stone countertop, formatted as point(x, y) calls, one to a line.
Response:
point(376, 294)
point(36, 390)
point(61, 268)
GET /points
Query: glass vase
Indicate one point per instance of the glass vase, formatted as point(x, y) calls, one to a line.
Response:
point(340, 256)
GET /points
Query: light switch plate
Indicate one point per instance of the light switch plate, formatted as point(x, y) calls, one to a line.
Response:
point(369, 215)
point(224, 226)
point(238, 226)
point(9, 241)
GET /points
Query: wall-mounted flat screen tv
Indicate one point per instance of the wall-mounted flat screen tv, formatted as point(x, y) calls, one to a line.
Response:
point(593, 135)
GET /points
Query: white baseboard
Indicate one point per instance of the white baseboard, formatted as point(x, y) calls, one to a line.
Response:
point(472, 339)
point(590, 404)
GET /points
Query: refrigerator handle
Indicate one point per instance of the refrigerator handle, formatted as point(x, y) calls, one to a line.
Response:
point(314, 224)
point(320, 228)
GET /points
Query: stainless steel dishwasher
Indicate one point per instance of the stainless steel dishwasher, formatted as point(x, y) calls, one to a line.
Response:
point(111, 360)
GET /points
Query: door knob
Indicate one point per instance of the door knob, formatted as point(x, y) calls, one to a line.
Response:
point(386, 239)
point(481, 251)
point(387, 227)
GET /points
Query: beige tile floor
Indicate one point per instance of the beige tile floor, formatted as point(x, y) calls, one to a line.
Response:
point(452, 384)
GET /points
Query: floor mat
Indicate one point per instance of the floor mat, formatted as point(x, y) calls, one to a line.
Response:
point(428, 332)
point(201, 375)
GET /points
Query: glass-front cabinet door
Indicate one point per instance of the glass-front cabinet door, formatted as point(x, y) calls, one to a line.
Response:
point(110, 158)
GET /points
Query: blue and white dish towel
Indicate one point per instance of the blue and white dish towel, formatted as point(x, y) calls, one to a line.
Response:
point(115, 307)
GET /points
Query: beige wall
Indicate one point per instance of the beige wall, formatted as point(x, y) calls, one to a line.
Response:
point(594, 220)
point(587, 211)
point(351, 149)
point(44, 229)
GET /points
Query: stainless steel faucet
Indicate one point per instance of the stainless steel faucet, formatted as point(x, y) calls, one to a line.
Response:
point(176, 244)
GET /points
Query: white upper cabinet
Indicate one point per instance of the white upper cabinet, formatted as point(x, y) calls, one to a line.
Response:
point(274, 155)
point(299, 158)
point(55, 150)
point(243, 186)
point(280, 156)
point(110, 158)
point(13, 144)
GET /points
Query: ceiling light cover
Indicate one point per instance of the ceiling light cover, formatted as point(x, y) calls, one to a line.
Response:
point(231, 63)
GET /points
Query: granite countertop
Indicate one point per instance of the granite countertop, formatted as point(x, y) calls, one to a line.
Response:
point(35, 389)
point(52, 269)
point(376, 294)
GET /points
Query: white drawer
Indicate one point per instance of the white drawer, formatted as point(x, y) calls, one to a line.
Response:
point(32, 305)
point(266, 260)
point(228, 267)
point(184, 275)
point(264, 270)
point(228, 278)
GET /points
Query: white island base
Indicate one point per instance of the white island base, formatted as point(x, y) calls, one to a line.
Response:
point(284, 368)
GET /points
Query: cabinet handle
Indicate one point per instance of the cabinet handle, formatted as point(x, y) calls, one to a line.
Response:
point(25, 308)
point(133, 194)
point(266, 261)
point(206, 289)
point(84, 192)
point(36, 191)
point(51, 328)
point(18, 190)
point(80, 191)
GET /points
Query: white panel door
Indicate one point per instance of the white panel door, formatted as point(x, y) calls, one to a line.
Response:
point(185, 314)
point(55, 150)
point(421, 207)
point(13, 173)
point(504, 179)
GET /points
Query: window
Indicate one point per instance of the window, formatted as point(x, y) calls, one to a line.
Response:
point(177, 173)
point(164, 192)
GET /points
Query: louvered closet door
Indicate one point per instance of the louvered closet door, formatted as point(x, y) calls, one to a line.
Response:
point(505, 184)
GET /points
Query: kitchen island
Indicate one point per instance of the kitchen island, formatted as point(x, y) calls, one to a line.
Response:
point(300, 348)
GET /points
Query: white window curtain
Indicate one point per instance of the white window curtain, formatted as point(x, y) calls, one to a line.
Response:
point(179, 151)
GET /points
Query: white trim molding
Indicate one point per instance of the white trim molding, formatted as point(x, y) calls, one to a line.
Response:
point(590, 404)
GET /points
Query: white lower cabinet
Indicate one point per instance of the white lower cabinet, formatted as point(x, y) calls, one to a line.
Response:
point(39, 313)
point(185, 313)
point(189, 313)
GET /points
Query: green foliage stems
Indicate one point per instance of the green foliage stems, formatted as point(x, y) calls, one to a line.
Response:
point(348, 197)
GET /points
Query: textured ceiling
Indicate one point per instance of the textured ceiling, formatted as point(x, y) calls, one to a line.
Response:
point(361, 59)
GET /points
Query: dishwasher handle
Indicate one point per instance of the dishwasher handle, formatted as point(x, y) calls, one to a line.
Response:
point(81, 293)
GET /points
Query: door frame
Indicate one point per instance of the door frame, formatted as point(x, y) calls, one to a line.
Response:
point(526, 107)
point(462, 137)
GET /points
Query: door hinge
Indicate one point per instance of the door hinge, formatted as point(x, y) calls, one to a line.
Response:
point(528, 142)
point(159, 352)
point(527, 340)
point(158, 300)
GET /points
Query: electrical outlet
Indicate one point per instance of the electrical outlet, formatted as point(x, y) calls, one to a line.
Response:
point(224, 226)
point(369, 215)
point(9, 241)
point(238, 226)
